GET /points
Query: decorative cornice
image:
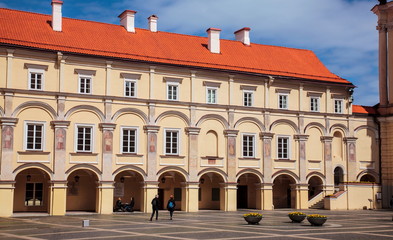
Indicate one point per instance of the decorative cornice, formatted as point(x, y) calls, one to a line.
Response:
point(151, 128)
point(107, 126)
point(231, 133)
point(266, 135)
point(192, 130)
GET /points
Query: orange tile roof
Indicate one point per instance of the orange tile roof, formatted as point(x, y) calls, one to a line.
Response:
point(363, 109)
point(109, 40)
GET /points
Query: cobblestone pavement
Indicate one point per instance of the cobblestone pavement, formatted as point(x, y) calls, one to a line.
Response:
point(362, 224)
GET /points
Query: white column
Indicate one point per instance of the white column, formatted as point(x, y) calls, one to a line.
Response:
point(108, 77)
point(10, 56)
point(151, 82)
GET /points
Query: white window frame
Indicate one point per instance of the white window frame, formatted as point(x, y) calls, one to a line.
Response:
point(92, 147)
point(286, 95)
point(215, 90)
point(251, 103)
point(131, 81)
point(136, 129)
point(254, 152)
point(178, 141)
point(317, 104)
point(341, 101)
point(26, 123)
point(288, 148)
point(83, 76)
point(36, 71)
point(173, 84)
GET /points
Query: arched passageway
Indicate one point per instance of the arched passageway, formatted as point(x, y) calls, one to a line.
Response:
point(211, 192)
point(82, 191)
point(283, 196)
point(31, 192)
point(172, 183)
point(248, 191)
point(127, 185)
point(367, 178)
point(315, 186)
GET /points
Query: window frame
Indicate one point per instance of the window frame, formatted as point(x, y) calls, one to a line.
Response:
point(215, 90)
point(36, 71)
point(341, 101)
point(286, 95)
point(92, 142)
point(178, 141)
point(254, 152)
point(85, 76)
point(34, 194)
point(172, 84)
point(318, 104)
point(288, 152)
point(43, 132)
point(251, 98)
point(131, 81)
point(136, 129)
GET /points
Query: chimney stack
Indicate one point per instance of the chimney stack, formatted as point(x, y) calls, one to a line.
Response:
point(127, 20)
point(243, 35)
point(57, 15)
point(213, 39)
point(153, 23)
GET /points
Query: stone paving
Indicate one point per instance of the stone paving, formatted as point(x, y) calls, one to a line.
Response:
point(362, 224)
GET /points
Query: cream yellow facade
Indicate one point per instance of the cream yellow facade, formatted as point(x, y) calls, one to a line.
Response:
point(226, 154)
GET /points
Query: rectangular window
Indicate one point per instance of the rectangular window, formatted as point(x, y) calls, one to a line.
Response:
point(215, 194)
point(211, 95)
point(283, 147)
point(283, 101)
point(129, 140)
point(85, 85)
point(172, 92)
point(34, 135)
point(35, 81)
point(129, 88)
point(249, 146)
point(314, 104)
point(84, 139)
point(34, 194)
point(338, 106)
point(247, 99)
point(172, 142)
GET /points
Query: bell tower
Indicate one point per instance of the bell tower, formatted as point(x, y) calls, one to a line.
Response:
point(384, 11)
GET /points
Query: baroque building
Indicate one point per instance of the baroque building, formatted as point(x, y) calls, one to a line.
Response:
point(92, 111)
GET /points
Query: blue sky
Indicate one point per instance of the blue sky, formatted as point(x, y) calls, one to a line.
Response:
point(341, 32)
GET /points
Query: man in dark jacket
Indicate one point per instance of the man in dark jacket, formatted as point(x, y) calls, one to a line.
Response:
point(155, 204)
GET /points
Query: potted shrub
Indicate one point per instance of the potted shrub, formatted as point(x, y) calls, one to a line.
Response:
point(316, 219)
point(253, 218)
point(297, 217)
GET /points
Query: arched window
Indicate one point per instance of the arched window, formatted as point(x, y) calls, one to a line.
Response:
point(367, 178)
point(338, 176)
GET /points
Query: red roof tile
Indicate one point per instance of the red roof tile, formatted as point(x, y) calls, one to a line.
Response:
point(363, 109)
point(108, 40)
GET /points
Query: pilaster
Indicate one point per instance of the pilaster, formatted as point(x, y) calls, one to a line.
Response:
point(302, 139)
point(107, 150)
point(193, 133)
point(10, 58)
point(351, 158)
point(105, 197)
point(267, 196)
point(151, 131)
point(192, 192)
point(231, 154)
point(150, 189)
point(7, 146)
point(327, 157)
point(267, 156)
point(301, 195)
point(7, 198)
point(60, 153)
point(58, 198)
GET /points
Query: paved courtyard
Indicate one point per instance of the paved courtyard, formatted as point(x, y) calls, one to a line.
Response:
point(362, 224)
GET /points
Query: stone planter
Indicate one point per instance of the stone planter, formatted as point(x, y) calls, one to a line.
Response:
point(297, 218)
point(316, 221)
point(253, 219)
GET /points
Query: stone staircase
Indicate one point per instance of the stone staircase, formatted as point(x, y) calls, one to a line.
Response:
point(318, 205)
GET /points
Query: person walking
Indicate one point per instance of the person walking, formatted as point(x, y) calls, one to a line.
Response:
point(171, 206)
point(155, 204)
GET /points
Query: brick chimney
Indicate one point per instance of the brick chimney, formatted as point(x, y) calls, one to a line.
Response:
point(243, 35)
point(57, 15)
point(127, 20)
point(213, 39)
point(153, 23)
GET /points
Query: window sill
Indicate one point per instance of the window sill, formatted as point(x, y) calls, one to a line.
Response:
point(212, 158)
point(129, 155)
point(172, 156)
point(249, 158)
point(284, 160)
point(33, 152)
point(83, 154)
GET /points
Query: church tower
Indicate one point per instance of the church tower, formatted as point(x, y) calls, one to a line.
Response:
point(384, 11)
